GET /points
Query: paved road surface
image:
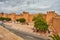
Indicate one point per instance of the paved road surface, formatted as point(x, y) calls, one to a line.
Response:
point(24, 35)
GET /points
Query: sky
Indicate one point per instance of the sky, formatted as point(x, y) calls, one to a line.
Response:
point(32, 6)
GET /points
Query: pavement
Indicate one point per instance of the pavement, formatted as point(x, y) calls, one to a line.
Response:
point(25, 36)
point(25, 31)
point(25, 28)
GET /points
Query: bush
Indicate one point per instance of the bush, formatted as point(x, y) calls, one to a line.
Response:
point(7, 19)
point(1, 18)
point(22, 20)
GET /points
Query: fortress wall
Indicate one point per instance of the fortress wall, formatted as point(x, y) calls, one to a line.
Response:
point(56, 25)
point(5, 15)
point(29, 17)
point(18, 16)
point(49, 16)
point(26, 16)
point(53, 20)
point(1, 15)
point(14, 16)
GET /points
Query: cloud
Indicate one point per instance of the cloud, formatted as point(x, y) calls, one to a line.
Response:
point(1, 2)
point(36, 6)
point(29, 5)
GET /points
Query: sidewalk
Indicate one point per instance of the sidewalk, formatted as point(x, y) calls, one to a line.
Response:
point(7, 35)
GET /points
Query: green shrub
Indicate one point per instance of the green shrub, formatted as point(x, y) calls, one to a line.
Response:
point(7, 19)
point(22, 20)
point(1, 18)
point(40, 23)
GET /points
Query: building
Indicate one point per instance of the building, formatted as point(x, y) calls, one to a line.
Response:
point(53, 20)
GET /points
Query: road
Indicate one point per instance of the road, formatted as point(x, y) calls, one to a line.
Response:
point(25, 36)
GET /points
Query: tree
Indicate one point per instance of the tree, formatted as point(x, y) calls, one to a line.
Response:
point(40, 23)
point(22, 20)
point(55, 37)
point(39, 16)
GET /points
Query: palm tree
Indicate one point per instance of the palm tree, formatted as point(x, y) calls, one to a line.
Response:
point(55, 37)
